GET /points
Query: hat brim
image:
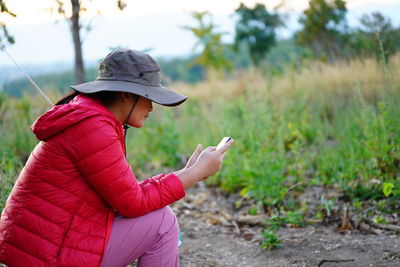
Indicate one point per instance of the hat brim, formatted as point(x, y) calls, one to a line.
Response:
point(157, 94)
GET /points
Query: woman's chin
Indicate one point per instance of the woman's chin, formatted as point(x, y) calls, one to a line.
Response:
point(137, 125)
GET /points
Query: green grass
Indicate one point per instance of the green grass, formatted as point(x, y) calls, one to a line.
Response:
point(332, 125)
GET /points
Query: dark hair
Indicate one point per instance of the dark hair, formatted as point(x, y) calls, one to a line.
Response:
point(107, 98)
point(67, 98)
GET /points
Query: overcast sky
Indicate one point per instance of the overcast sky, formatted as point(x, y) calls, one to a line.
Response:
point(38, 10)
point(143, 24)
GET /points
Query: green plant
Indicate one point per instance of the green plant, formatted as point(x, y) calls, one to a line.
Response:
point(9, 168)
point(379, 219)
point(319, 215)
point(327, 205)
point(290, 218)
point(387, 189)
point(5, 37)
point(253, 210)
point(271, 240)
point(357, 204)
point(212, 54)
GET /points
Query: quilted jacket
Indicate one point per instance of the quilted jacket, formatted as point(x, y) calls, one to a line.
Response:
point(61, 209)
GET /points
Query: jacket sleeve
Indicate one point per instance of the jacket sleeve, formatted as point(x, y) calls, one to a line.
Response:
point(99, 156)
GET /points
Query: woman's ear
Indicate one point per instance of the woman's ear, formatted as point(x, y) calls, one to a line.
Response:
point(125, 96)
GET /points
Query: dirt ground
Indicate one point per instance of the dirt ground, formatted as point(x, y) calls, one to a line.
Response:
point(214, 235)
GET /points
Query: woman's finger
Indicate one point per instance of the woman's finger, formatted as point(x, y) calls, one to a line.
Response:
point(198, 149)
point(210, 148)
point(196, 153)
point(225, 147)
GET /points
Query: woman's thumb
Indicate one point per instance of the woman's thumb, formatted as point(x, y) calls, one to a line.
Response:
point(198, 149)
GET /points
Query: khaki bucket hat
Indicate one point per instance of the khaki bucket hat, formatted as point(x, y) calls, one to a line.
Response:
point(128, 70)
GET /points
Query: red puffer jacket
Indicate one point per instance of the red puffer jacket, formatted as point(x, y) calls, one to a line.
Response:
point(61, 209)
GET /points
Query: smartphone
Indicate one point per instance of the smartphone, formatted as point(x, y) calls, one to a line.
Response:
point(223, 142)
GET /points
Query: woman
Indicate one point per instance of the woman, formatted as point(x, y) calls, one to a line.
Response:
point(77, 202)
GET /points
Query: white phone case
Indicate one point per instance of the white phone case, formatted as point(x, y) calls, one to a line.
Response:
point(223, 142)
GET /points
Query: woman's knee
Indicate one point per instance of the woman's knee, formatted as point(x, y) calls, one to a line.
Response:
point(169, 222)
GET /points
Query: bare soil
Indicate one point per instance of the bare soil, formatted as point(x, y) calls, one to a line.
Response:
point(214, 233)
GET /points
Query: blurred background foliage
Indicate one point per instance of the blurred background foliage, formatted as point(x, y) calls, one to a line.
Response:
point(318, 109)
point(324, 36)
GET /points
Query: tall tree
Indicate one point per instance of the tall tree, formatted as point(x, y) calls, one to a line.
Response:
point(380, 37)
point(256, 27)
point(212, 54)
point(5, 37)
point(73, 19)
point(324, 26)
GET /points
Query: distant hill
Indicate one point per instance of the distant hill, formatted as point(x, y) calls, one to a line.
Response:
point(9, 73)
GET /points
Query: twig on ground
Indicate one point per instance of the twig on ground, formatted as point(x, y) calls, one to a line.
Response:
point(369, 229)
point(295, 185)
point(253, 220)
point(237, 229)
point(323, 261)
point(391, 227)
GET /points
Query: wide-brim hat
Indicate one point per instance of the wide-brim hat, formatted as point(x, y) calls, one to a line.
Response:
point(131, 71)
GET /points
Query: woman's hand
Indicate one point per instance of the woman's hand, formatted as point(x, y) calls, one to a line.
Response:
point(191, 161)
point(202, 164)
point(210, 160)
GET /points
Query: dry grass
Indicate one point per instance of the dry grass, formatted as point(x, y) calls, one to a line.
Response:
point(317, 81)
point(341, 79)
point(240, 83)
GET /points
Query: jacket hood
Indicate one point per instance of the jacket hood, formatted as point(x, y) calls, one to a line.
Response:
point(64, 116)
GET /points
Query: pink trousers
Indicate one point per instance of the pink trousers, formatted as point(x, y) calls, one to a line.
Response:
point(151, 238)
